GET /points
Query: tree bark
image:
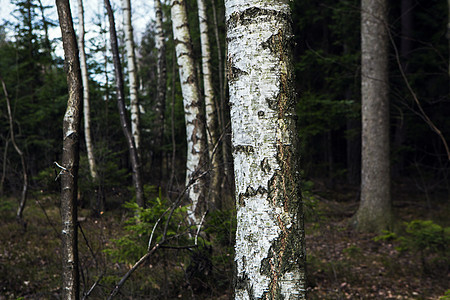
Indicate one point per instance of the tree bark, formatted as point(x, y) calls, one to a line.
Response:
point(212, 131)
point(132, 73)
point(375, 209)
point(194, 120)
point(160, 105)
point(270, 257)
point(135, 164)
point(85, 78)
point(70, 155)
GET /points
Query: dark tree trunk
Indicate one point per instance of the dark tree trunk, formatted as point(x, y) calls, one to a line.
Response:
point(135, 165)
point(375, 209)
point(70, 155)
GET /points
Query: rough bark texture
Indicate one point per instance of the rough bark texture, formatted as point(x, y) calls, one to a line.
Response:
point(270, 255)
point(160, 105)
point(85, 78)
point(196, 144)
point(375, 211)
point(212, 131)
point(135, 165)
point(132, 71)
point(70, 155)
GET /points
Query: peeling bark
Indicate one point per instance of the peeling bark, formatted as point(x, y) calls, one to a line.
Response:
point(375, 209)
point(86, 106)
point(70, 155)
point(270, 250)
point(194, 120)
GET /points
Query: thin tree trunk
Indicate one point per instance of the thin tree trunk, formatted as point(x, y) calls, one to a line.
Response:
point(70, 155)
point(132, 73)
point(194, 120)
point(270, 257)
point(223, 117)
point(448, 35)
point(5, 155)
point(172, 123)
point(23, 197)
point(47, 43)
point(375, 209)
point(85, 78)
point(212, 132)
point(160, 103)
point(135, 165)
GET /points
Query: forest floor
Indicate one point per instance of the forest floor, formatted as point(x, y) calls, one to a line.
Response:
point(342, 263)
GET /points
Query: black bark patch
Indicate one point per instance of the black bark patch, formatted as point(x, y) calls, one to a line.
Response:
point(243, 283)
point(250, 192)
point(265, 166)
point(244, 148)
point(251, 15)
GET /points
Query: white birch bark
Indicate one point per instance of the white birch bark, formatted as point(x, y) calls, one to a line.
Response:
point(375, 210)
point(132, 75)
point(269, 247)
point(210, 105)
point(85, 79)
point(192, 110)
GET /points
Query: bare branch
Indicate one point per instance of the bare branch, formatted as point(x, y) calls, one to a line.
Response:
point(416, 99)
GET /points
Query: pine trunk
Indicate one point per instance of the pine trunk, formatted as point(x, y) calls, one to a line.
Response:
point(194, 120)
point(70, 155)
point(132, 73)
point(135, 165)
point(270, 255)
point(375, 211)
point(212, 133)
point(85, 78)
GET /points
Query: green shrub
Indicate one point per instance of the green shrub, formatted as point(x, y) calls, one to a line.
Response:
point(424, 238)
point(446, 296)
point(132, 246)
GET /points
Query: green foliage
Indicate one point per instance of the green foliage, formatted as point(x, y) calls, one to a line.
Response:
point(352, 251)
point(446, 295)
point(6, 205)
point(130, 247)
point(424, 238)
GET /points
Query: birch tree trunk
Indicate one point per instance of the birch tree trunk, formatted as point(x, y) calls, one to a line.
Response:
point(212, 133)
point(135, 165)
point(196, 144)
point(70, 155)
point(161, 89)
point(132, 72)
point(85, 78)
point(375, 211)
point(270, 253)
